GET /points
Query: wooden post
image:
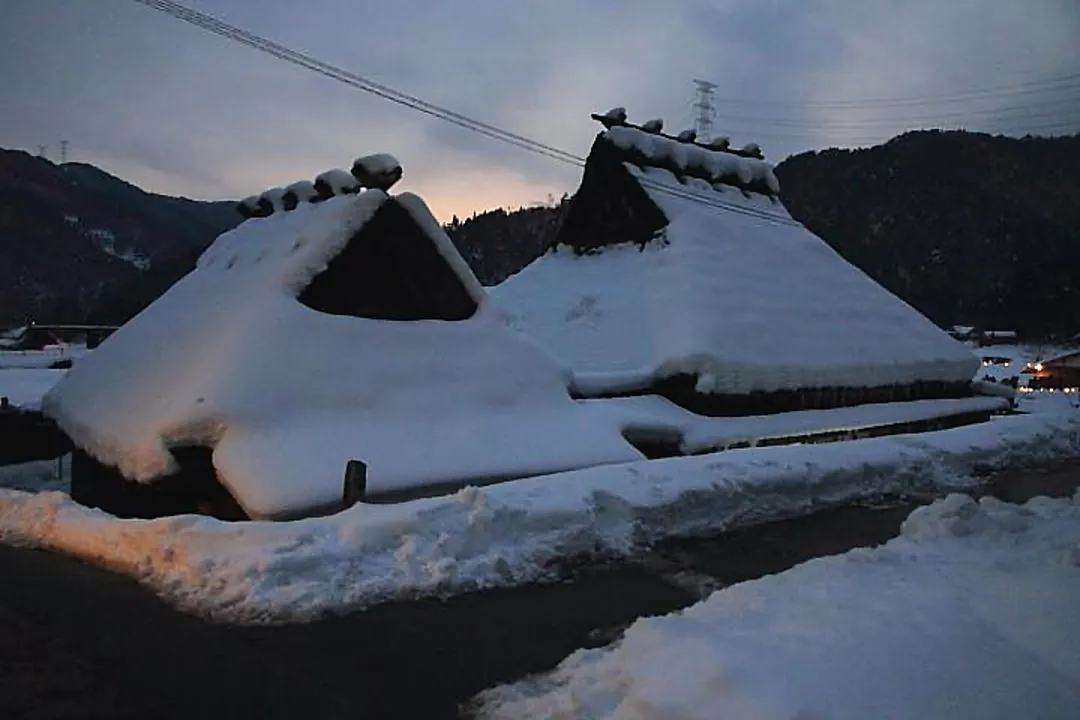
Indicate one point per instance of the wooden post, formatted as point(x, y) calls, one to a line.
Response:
point(355, 486)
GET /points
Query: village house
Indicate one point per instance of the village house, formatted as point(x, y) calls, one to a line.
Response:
point(336, 332)
point(679, 272)
point(1059, 372)
point(997, 337)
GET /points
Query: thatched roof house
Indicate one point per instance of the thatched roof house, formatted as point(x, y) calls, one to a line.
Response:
point(347, 327)
point(679, 271)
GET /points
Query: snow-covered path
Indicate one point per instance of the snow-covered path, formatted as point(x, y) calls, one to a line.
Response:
point(970, 613)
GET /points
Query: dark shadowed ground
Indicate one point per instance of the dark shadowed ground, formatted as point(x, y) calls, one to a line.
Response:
point(78, 642)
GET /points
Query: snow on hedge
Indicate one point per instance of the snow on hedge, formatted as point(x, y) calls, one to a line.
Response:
point(228, 358)
point(970, 614)
point(741, 301)
point(510, 533)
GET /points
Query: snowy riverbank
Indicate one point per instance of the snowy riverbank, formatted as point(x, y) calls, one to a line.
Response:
point(970, 613)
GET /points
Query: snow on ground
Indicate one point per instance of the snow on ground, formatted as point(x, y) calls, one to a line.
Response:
point(511, 533)
point(24, 387)
point(28, 359)
point(970, 613)
point(38, 476)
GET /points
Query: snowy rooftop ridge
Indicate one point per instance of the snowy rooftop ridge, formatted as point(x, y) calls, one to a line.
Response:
point(715, 162)
point(377, 172)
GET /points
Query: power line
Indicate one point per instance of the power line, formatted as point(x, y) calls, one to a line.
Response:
point(1047, 84)
point(1018, 112)
point(232, 32)
point(218, 27)
point(820, 133)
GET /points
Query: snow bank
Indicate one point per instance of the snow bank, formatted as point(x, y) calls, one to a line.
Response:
point(229, 359)
point(970, 613)
point(510, 533)
point(743, 303)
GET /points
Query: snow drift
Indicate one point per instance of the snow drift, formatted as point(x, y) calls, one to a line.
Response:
point(970, 613)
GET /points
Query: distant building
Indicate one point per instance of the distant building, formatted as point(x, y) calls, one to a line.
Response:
point(1059, 373)
point(679, 272)
point(962, 332)
point(30, 337)
point(998, 337)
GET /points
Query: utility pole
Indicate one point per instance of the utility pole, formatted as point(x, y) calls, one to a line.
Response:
point(64, 151)
point(706, 113)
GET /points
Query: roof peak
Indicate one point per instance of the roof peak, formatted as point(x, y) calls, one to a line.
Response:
point(617, 117)
point(379, 171)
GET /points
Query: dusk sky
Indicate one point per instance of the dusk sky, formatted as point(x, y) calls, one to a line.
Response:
point(177, 110)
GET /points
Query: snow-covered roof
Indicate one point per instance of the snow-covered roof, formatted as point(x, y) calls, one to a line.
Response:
point(690, 160)
point(286, 395)
point(731, 289)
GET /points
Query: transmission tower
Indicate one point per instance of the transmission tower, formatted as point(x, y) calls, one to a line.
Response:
point(705, 110)
point(43, 151)
point(64, 151)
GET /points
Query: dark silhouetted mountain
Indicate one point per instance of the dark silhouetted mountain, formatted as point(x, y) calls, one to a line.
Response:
point(71, 233)
point(499, 243)
point(968, 228)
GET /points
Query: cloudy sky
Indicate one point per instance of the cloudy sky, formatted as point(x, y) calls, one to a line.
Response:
point(181, 111)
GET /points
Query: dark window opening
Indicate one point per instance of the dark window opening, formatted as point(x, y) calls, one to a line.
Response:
point(390, 270)
point(682, 390)
point(193, 489)
point(655, 443)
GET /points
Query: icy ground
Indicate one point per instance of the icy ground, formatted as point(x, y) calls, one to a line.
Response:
point(970, 613)
point(513, 533)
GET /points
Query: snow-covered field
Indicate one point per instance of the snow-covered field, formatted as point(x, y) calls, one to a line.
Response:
point(970, 613)
point(513, 533)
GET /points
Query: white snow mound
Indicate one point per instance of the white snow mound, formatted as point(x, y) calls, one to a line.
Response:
point(970, 614)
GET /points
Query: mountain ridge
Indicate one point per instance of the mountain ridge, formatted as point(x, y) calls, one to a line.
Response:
point(968, 228)
point(71, 233)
